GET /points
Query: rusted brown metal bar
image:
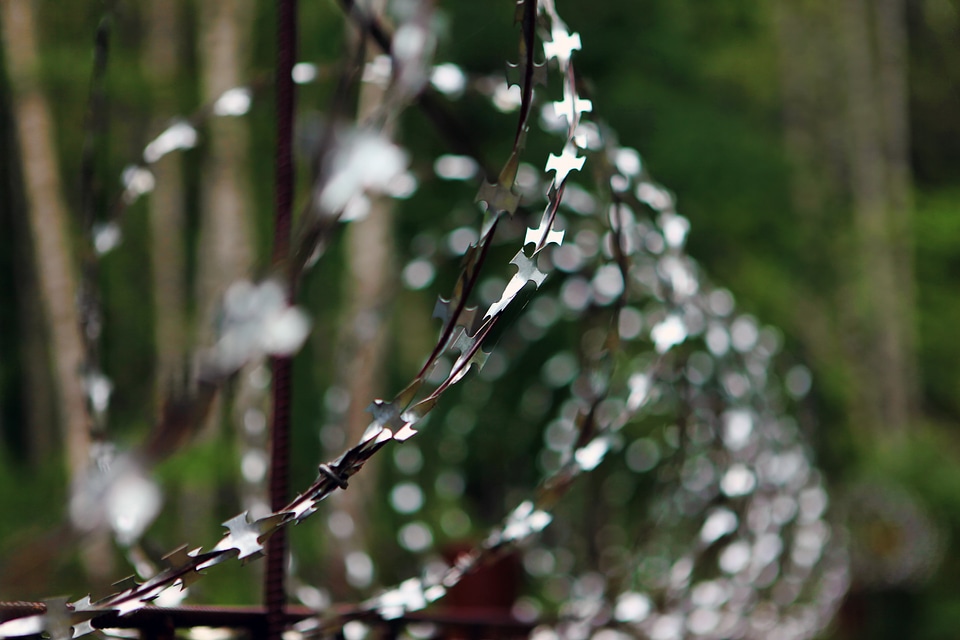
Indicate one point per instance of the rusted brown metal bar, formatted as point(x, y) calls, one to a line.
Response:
point(274, 578)
point(160, 622)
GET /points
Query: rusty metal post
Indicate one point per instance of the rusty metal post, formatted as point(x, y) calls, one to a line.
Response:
point(274, 579)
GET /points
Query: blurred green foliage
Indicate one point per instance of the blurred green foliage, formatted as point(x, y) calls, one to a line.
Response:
point(694, 86)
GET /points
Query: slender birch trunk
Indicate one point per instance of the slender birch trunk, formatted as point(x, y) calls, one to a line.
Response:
point(226, 251)
point(49, 227)
point(881, 223)
point(809, 41)
point(894, 99)
point(865, 108)
point(166, 205)
point(226, 235)
point(50, 233)
point(38, 395)
point(362, 343)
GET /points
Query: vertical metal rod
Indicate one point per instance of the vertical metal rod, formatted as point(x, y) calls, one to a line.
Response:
point(274, 579)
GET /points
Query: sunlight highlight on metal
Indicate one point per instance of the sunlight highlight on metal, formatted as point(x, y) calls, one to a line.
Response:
point(257, 321)
point(179, 135)
point(742, 547)
point(233, 102)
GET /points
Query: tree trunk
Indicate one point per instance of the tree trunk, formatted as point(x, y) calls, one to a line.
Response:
point(225, 247)
point(877, 160)
point(49, 227)
point(362, 342)
point(809, 41)
point(50, 232)
point(894, 99)
point(37, 437)
point(166, 205)
point(864, 107)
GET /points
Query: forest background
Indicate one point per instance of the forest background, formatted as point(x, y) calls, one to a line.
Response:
point(814, 146)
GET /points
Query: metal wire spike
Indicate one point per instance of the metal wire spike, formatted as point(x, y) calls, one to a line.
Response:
point(563, 164)
point(527, 271)
point(516, 74)
point(499, 198)
point(562, 45)
point(543, 234)
point(243, 536)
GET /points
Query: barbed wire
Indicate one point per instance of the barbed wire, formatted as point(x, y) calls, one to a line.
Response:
point(752, 477)
point(648, 258)
point(393, 420)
